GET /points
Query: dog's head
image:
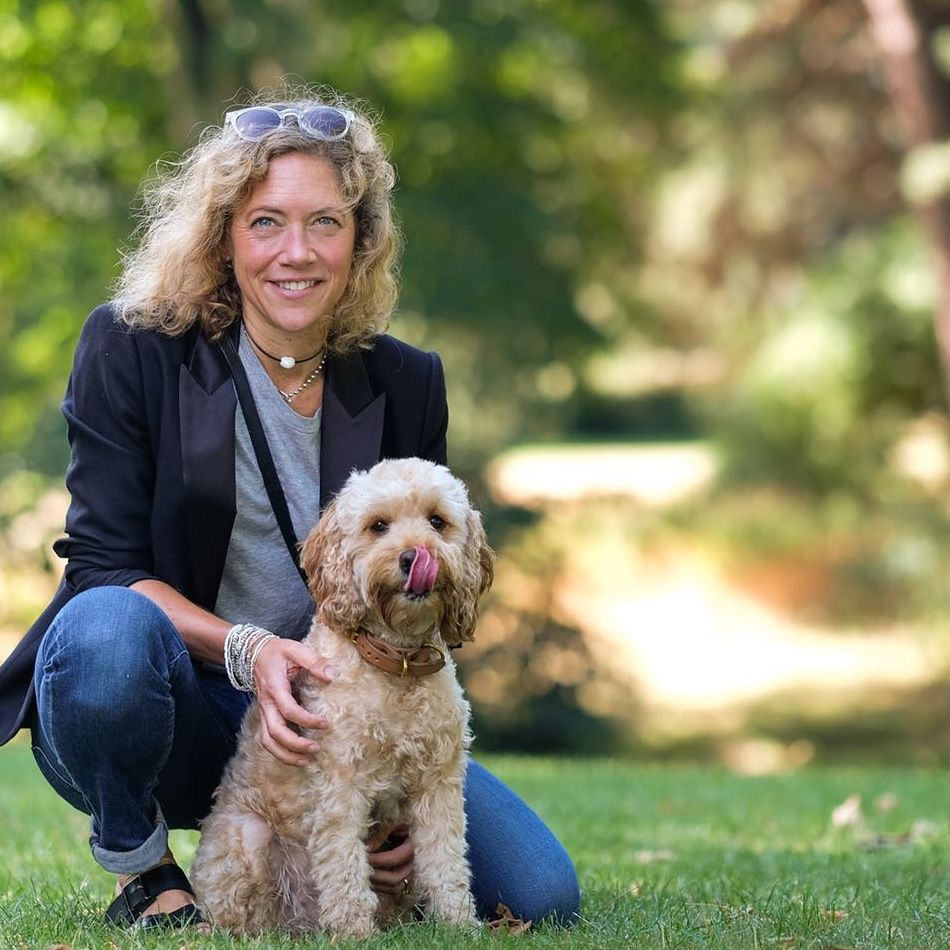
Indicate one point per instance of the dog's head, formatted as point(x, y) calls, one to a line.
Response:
point(400, 549)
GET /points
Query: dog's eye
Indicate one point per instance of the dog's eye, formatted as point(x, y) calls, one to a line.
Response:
point(437, 522)
point(379, 526)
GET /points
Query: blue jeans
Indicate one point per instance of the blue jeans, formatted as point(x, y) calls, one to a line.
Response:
point(130, 732)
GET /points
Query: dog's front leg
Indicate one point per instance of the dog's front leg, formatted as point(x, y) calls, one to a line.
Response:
point(440, 869)
point(232, 872)
point(339, 863)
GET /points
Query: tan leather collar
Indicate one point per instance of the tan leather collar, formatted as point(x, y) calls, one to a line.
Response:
point(420, 661)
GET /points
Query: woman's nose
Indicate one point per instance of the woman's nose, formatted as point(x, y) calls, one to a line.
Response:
point(297, 247)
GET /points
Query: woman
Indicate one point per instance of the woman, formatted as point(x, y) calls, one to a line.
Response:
point(265, 268)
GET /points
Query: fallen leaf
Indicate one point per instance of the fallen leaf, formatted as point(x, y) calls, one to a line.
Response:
point(648, 857)
point(922, 828)
point(834, 914)
point(59, 946)
point(848, 813)
point(882, 842)
point(634, 888)
point(507, 923)
point(887, 801)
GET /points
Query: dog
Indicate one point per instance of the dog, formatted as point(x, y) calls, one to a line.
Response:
point(396, 565)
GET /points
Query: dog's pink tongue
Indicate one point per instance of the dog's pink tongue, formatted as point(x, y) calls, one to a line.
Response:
point(423, 572)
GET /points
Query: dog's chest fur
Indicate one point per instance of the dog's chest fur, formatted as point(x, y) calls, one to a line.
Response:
point(416, 722)
point(394, 735)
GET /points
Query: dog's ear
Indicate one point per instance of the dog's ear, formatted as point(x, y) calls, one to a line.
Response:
point(324, 560)
point(476, 576)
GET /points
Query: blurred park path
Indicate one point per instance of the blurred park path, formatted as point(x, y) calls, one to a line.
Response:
point(697, 649)
point(694, 646)
point(654, 475)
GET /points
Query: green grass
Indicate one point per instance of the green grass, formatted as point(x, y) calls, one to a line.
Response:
point(668, 857)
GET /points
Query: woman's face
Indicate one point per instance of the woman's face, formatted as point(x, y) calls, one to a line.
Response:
point(292, 249)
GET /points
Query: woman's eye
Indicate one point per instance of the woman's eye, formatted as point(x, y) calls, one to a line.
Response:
point(325, 221)
point(437, 522)
point(379, 526)
point(262, 222)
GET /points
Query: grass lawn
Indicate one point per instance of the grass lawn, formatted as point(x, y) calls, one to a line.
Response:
point(668, 857)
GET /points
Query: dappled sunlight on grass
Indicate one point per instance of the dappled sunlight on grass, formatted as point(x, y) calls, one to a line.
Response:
point(688, 634)
point(696, 651)
point(695, 644)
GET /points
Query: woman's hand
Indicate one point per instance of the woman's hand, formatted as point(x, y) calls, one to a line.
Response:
point(279, 662)
point(390, 857)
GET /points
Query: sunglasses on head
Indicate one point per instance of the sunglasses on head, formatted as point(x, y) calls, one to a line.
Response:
point(326, 123)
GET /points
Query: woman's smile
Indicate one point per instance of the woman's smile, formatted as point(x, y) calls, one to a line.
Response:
point(295, 285)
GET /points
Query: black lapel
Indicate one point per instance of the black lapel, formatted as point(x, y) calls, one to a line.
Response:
point(207, 405)
point(352, 425)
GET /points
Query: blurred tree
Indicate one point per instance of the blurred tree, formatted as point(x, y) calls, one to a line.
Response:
point(79, 123)
point(780, 245)
point(525, 135)
point(913, 39)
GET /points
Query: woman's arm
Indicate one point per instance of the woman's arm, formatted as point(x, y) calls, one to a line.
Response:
point(436, 422)
point(202, 632)
point(279, 662)
point(111, 474)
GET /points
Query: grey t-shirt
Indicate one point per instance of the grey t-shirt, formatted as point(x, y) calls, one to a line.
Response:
point(260, 583)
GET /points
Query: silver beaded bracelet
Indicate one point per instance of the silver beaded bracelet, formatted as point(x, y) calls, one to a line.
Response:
point(242, 647)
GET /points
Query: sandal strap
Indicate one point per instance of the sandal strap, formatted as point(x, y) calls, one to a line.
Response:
point(126, 909)
point(187, 916)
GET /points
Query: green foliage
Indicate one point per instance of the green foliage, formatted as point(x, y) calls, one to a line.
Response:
point(521, 172)
point(575, 180)
point(846, 364)
point(780, 245)
point(79, 124)
point(667, 857)
point(622, 218)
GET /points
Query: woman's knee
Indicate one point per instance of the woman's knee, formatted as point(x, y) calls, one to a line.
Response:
point(516, 859)
point(556, 897)
point(548, 892)
point(108, 635)
point(108, 624)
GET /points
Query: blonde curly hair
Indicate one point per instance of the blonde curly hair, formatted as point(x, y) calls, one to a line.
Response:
point(179, 273)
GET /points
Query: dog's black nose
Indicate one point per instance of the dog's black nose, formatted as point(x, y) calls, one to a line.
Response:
point(405, 561)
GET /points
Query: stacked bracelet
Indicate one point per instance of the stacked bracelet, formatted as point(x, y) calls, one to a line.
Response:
point(242, 647)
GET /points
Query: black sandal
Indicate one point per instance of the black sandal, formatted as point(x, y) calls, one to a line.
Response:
point(126, 909)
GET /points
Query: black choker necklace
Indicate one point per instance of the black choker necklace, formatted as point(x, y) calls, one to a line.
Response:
point(287, 362)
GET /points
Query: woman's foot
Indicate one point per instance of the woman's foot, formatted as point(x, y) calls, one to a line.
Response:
point(167, 901)
point(158, 897)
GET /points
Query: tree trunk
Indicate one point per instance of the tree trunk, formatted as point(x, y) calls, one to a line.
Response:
point(904, 31)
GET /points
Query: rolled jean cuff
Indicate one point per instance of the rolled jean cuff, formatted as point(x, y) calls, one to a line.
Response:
point(146, 855)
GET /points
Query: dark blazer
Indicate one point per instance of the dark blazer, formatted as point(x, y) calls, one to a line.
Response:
point(151, 428)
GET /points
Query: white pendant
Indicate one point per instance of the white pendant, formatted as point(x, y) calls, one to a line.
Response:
point(288, 362)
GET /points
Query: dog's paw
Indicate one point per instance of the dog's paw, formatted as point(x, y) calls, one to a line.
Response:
point(453, 907)
point(349, 921)
point(352, 929)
